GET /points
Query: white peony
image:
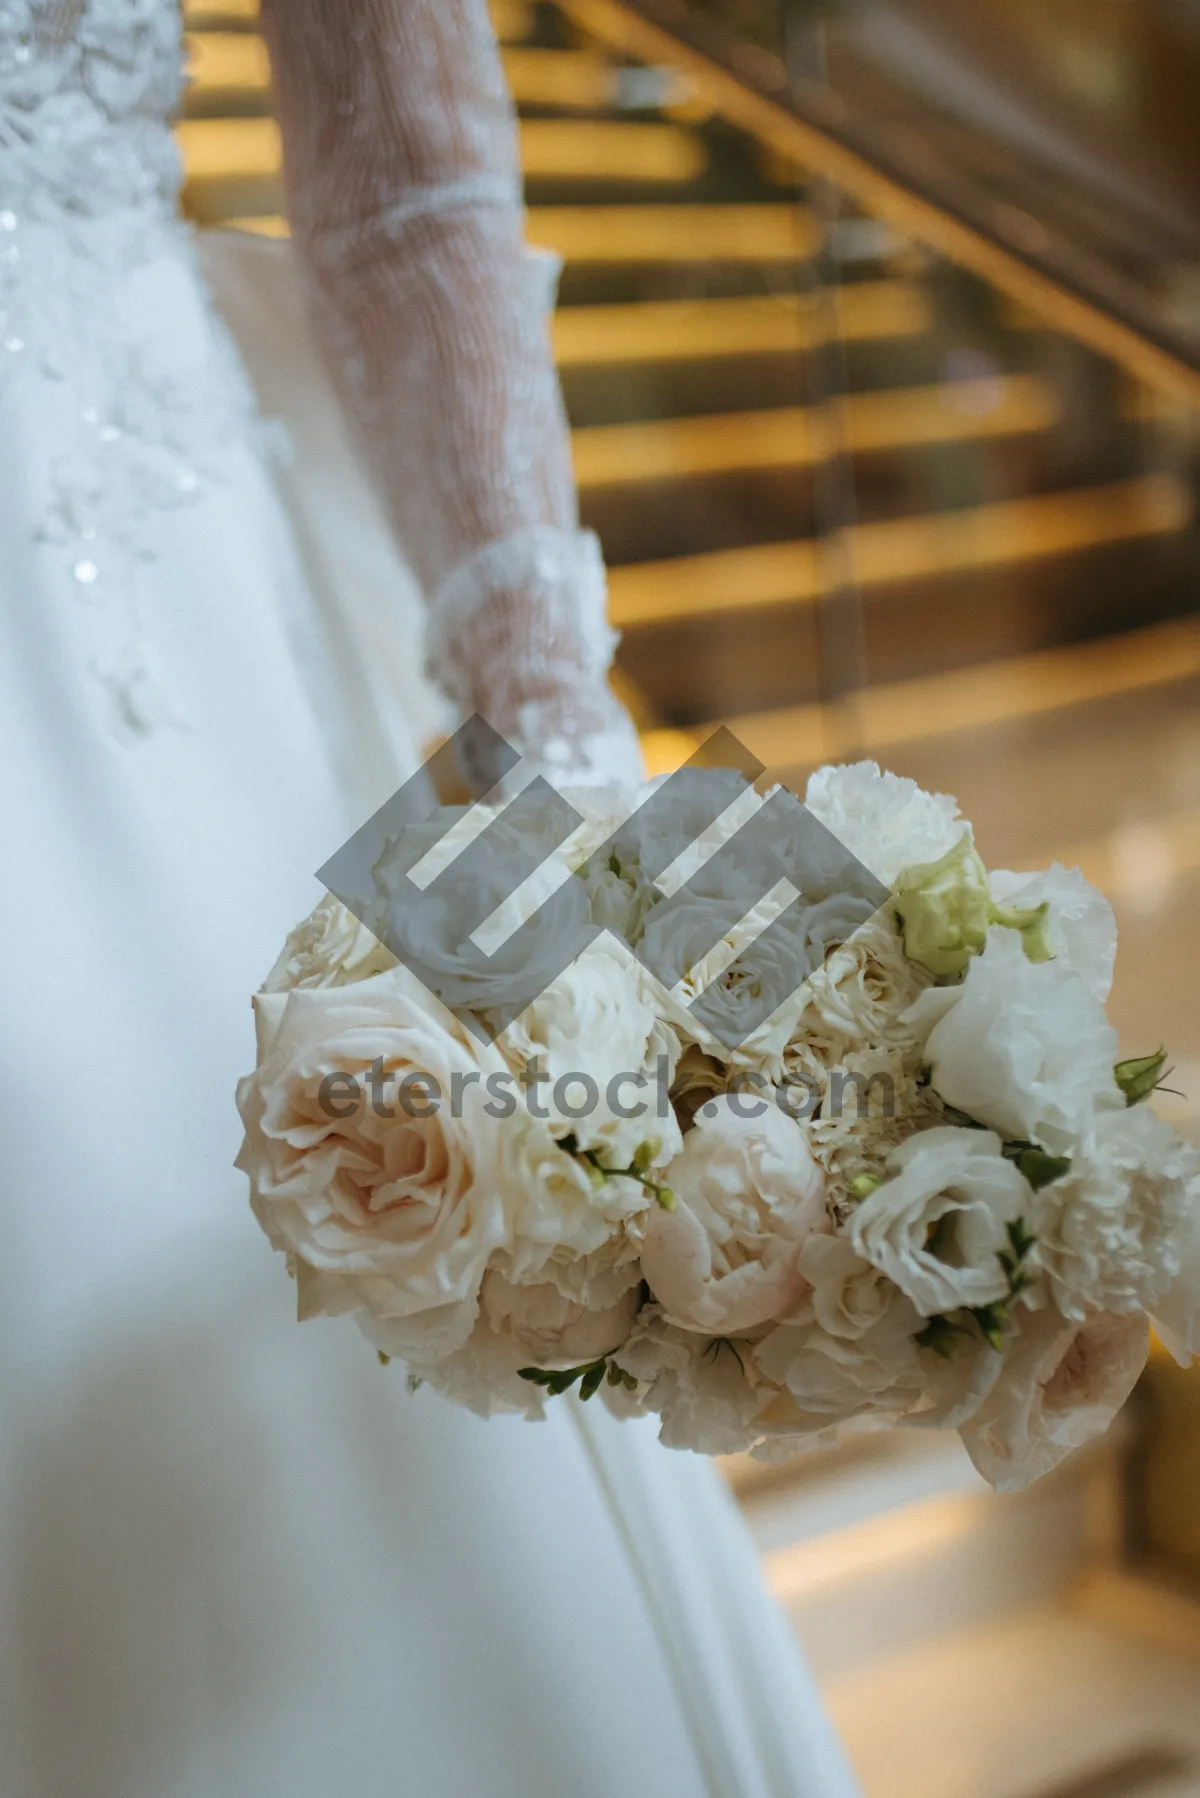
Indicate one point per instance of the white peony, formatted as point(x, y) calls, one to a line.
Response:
point(1081, 926)
point(888, 822)
point(594, 1040)
point(389, 1201)
point(938, 1223)
point(329, 948)
point(748, 1193)
point(1061, 1384)
point(1021, 1046)
point(1111, 1231)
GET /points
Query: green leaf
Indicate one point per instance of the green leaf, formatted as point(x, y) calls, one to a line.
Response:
point(1138, 1077)
point(592, 1380)
point(1040, 1169)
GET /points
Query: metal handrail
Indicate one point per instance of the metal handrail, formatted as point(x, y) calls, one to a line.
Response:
point(1073, 291)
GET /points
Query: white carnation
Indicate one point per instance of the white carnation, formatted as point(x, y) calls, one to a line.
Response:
point(1111, 1231)
point(888, 822)
point(938, 1223)
point(1021, 1046)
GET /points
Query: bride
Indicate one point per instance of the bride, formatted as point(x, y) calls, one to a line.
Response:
point(236, 1558)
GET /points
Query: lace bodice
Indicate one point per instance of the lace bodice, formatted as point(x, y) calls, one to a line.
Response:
point(87, 92)
point(405, 196)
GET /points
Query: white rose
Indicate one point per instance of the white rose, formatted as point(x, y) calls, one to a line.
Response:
point(553, 1330)
point(849, 1296)
point(1061, 1384)
point(567, 1230)
point(1021, 1046)
point(681, 810)
point(1111, 1231)
point(1082, 928)
point(738, 1005)
point(330, 948)
point(887, 822)
point(858, 998)
point(431, 930)
point(938, 1223)
point(706, 1391)
point(396, 1213)
point(594, 1040)
point(748, 1192)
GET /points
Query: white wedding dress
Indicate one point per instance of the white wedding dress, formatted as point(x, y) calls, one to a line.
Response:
point(237, 1558)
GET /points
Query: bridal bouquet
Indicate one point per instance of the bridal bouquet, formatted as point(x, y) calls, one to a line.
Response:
point(764, 1118)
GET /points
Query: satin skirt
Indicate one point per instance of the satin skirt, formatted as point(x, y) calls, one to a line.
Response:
point(238, 1559)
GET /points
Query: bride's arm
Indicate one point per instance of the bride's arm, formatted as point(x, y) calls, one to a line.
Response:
point(403, 174)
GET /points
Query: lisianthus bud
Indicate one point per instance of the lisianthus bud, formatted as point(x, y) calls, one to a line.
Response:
point(944, 908)
point(1138, 1077)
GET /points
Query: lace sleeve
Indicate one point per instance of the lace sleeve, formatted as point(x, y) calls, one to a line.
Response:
point(403, 176)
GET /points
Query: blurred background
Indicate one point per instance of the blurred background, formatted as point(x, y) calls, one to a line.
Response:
point(879, 329)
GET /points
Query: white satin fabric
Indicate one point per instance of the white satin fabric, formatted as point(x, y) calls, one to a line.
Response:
point(238, 1559)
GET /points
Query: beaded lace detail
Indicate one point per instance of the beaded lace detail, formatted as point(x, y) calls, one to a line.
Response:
point(89, 178)
point(87, 90)
point(405, 190)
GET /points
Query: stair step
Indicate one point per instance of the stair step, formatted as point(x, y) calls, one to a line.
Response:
point(226, 62)
point(799, 436)
point(236, 62)
point(754, 325)
point(758, 232)
point(698, 233)
point(944, 1562)
point(512, 19)
point(551, 149)
point(892, 550)
point(1046, 1704)
point(997, 693)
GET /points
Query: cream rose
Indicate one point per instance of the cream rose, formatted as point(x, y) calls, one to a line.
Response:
point(330, 948)
point(1061, 1385)
point(747, 1194)
point(938, 1222)
point(389, 1197)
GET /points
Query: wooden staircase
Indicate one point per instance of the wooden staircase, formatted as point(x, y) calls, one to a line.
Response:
point(1015, 492)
